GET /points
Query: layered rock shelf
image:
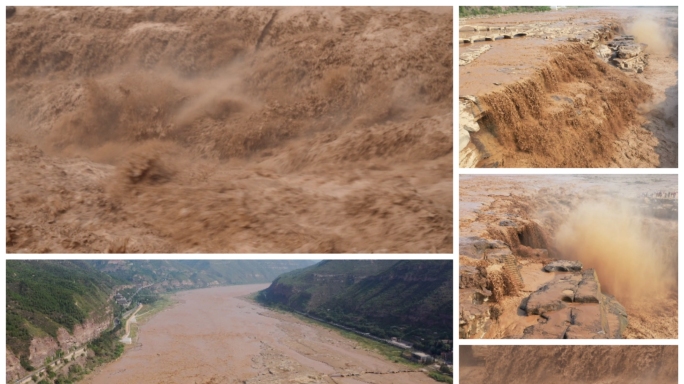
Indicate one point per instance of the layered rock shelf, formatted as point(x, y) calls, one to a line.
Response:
point(572, 306)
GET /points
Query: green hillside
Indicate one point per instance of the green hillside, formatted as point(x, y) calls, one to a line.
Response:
point(44, 295)
point(411, 300)
point(310, 287)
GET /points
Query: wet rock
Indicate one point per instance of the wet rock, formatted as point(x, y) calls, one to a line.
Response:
point(470, 277)
point(553, 295)
point(604, 52)
point(588, 322)
point(628, 51)
point(572, 306)
point(563, 266)
point(508, 223)
point(552, 325)
point(630, 65)
point(470, 55)
point(479, 248)
point(466, 124)
point(476, 295)
point(589, 289)
point(616, 316)
point(466, 119)
point(472, 246)
point(627, 55)
point(474, 318)
point(463, 139)
point(468, 157)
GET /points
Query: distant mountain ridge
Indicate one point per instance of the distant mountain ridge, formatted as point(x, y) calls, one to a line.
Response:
point(177, 274)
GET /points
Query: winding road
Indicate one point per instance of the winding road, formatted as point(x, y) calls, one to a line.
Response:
point(126, 339)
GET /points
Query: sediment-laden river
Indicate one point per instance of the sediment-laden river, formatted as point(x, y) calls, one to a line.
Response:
point(215, 336)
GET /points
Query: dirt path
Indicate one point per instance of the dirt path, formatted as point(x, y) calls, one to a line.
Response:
point(214, 336)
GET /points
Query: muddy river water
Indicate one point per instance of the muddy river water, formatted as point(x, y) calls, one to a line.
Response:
point(216, 336)
point(298, 130)
point(520, 74)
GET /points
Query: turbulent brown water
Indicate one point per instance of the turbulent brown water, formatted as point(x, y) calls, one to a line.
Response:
point(566, 134)
point(574, 364)
point(549, 100)
point(229, 130)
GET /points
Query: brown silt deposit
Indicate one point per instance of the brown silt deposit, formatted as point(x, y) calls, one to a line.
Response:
point(216, 129)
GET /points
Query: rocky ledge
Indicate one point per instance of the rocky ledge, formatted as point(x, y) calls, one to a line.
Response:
point(572, 306)
point(624, 53)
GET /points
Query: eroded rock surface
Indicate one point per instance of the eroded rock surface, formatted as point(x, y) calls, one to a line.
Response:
point(470, 277)
point(572, 306)
point(563, 266)
point(469, 155)
point(553, 295)
point(479, 248)
point(624, 53)
point(474, 294)
point(472, 54)
point(474, 317)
